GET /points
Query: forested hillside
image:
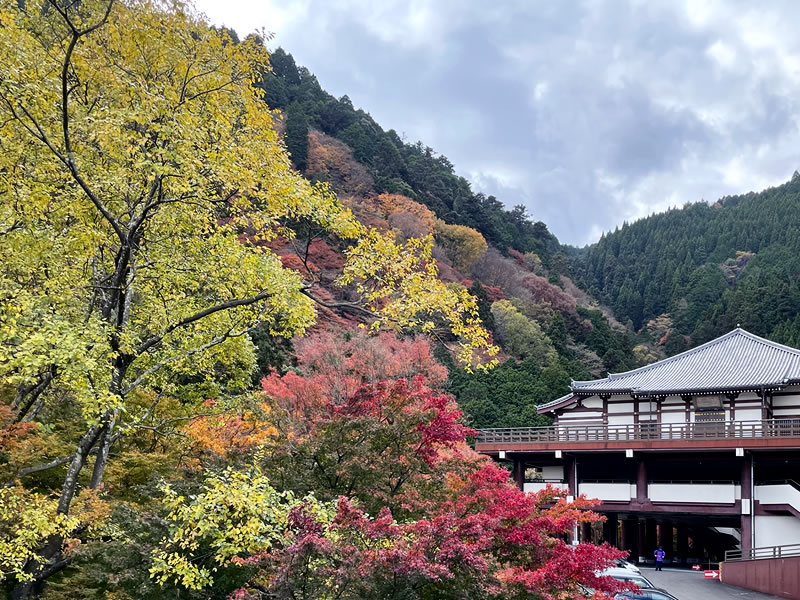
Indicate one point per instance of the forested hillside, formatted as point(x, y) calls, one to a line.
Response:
point(693, 273)
point(224, 373)
point(398, 167)
point(514, 265)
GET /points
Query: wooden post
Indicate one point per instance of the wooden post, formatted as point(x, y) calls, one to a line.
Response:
point(641, 542)
point(586, 533)
point(747, 511)
point(641, 480)
point(651, 539)
point(610, 529)
point(519, 473)
point(666, 539)
point(683, 541)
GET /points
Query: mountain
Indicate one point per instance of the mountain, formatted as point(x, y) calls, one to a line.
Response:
point(549, 330)
point(693, 273)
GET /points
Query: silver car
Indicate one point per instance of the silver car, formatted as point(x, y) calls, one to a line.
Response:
point(627, 575)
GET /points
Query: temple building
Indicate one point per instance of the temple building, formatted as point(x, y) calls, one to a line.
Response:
point(696, 453)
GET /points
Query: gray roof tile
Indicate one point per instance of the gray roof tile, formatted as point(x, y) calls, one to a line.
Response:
point(737, 360)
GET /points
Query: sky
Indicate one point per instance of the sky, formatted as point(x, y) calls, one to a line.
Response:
point(588, 113)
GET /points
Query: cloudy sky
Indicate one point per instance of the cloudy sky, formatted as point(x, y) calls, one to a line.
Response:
point(588, 113)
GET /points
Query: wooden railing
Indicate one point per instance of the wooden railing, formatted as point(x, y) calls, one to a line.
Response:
point(768, 428)
point(763, 553)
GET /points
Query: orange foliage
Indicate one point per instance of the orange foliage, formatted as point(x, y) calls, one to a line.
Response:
point(390, 204)
point(230, 434)
point(334, 160)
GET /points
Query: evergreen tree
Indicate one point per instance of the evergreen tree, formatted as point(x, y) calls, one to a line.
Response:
point(297, 137)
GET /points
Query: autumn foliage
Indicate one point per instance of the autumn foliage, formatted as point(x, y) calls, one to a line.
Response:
point(383, 498)
point(487, 540)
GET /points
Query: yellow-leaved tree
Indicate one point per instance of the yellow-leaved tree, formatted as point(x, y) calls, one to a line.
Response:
point(139, 175)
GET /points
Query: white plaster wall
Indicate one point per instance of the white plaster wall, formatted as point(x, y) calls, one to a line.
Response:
point(673, 417)
point(776, 531)
point(785, 413)
point(537, 486)
point(622, 407)
point(778, 494)
point(748, 414)
point(714, 493)
point(779, 401)
point(606, 491)
point(593, 403)
point(620, 419)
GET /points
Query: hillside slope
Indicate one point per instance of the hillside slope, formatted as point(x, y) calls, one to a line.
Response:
point(694, 273)
point(549, 330)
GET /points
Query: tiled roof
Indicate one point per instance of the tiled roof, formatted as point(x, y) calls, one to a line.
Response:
point(736, 361)
point(555, 403)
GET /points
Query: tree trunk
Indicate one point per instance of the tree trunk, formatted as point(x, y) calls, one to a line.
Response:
point(104, 447)
point(22, 590)
point(50, 559)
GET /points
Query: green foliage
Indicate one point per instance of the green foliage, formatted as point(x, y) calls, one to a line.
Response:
point(236, 514)
point(520, 335)
point(297, 137)
point(484, 304)
point(613, 346)
point(413, 170)
point(709, 267)
point(508, 395)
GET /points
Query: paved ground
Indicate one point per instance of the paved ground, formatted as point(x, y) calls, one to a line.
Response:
point(690, 585)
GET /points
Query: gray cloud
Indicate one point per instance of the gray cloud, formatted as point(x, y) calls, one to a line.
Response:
point(588, 113)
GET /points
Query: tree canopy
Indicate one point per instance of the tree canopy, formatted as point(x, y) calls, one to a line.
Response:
point(142, 184)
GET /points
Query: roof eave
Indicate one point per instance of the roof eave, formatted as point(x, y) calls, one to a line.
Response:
point(555, 404)
point(682, 391)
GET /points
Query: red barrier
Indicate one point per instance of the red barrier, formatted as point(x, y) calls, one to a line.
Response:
point(777, 576)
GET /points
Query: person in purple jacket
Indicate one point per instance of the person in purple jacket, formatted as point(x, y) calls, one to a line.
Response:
point(659, 554)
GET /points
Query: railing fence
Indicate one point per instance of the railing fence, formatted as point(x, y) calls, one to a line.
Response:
point(763, 553)
point(768, 428)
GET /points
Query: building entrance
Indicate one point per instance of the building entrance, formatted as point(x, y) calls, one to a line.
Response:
point(686, 539)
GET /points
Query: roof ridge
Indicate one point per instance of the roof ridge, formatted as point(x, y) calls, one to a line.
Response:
point(670, 359)
point(766, 342)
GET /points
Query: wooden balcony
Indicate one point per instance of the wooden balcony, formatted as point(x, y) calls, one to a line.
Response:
point(781, 433)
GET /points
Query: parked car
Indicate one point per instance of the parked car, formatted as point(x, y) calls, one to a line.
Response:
point(646, 594)
point(624, 564)
point(628, 576)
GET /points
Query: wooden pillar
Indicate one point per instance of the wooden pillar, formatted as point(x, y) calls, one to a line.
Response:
point(519, 473)
point(586, 533)
point(629, 538)
point(665, 538)
point(572, 483)
point(651, 539)
point(641, 543)
point(610, 529)
point(683, 542)
point(641, 480)
point(687, 408)
point(747, 502)
point(732, 405)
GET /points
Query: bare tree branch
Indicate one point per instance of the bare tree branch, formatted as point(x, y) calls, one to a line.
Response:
point(156, 367)
point(235, 303)
point(345, 306)
point(69, 160)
